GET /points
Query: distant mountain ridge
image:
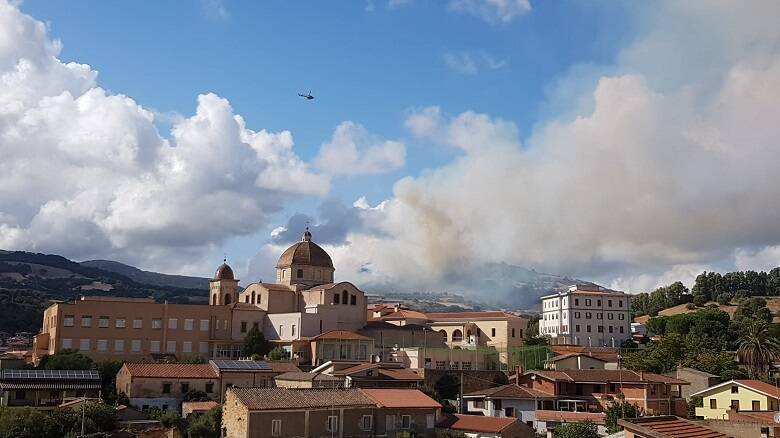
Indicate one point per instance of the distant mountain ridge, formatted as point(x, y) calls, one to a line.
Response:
point(149, 277)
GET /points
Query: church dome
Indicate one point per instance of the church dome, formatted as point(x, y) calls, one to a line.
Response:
point(224, 272)
point(305, 253)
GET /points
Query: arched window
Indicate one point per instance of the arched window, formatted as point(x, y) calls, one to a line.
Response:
point(246, 298)
point(228, 300)
point(344, 297)
point(443, 333)
point(457, 336)
point(214, 300)
point(253, 297)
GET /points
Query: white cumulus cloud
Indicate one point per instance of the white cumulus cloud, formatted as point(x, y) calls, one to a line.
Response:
point(352, 150)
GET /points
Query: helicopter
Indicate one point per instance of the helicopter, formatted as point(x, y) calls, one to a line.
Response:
point(306, 96)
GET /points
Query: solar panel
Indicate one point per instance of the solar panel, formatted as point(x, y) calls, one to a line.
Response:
point(51, 374)
point(249, 365)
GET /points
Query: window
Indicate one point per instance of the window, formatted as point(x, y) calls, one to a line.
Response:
point(209, 387)
point(203, 347)
point(576, 314)
point(138, 323)
point(119, 345)
point(588, 329)
point(588, 315)
point(610, 316)
point(600, 315)
point(120, 323)
point(620, 303)
point(102, 345)
point(166, 389)
point(513, 332)
point(292, 329)
point(281, 331)
point(493, 331)
point(598, 303)
point(333, 424)
point(84, 345)
point(756, 405)
point(367, 422)
point(621, 329)
point(67, 321)
point(577, 328)
point(171, 347)
point(185, 387)
point(67, 344)
point(576, 301)
point(465, 365)
point(621, 316)
point(344, 295)
point(440, 364)
point(186, 347)
point(204, 325)
point(135, 345)
point(300, 273)
point(610, 329)
point(587, 301)
point(86, 320)
point(652, 389)
point(609, 303)
point(154, 346)
point(157, 323)
point(735, 389)
point(103, 322)
point(406, 421)
point(601, 329)
point(353, 300)
point(335, 298)
point(188, 324)
point(172, 323)
point(243, 326)
point(276, 427)
point(735, 405)
point(713, 403)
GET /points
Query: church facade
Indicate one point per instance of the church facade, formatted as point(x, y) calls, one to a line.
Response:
point(303, 303)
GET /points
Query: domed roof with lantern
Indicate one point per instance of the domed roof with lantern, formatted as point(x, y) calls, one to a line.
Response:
point(224, 272)
point(306, 253)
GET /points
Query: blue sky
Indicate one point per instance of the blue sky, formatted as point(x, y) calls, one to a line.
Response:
point(370, 66)
point(592, 138)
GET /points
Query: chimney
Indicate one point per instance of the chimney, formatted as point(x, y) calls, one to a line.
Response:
point(518, 373)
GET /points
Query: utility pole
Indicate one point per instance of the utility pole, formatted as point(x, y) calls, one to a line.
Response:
point(460, 401)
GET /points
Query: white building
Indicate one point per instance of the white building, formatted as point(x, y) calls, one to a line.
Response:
point(586, 315)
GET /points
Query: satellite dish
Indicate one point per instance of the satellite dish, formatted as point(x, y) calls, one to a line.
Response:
point(777, 417)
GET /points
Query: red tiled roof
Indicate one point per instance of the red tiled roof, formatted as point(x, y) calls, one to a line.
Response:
point(760, 386)
point(405, 314)
point(199, 405)
point(509, 391)
point(570, 417)
point(400, 374)
point(763, 417)
point(469, 315)
point(568, 355)
point(400, 398)
point(476, 423)
point(300, 399)
point(172, 370)
point(355, 369)
point(342, 334)
point(282, 366)
point(669, 426)
point(603, 376)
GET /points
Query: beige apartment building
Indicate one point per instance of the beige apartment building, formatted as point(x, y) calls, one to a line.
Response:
point(302, 304)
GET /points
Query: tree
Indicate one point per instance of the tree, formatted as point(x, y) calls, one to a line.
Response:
point(448, 386)
point(757, 349)
point(195, 395)
point(753, 308)
point(696, 402)
point(108, 370)
point(659, 357)
point(255, 343)
point(277, 353)
point(699, 300)
point(616, 411)
point(66, 360)
point(580, 429)
point(207, 425)
point(447, 433)
point(167, 418)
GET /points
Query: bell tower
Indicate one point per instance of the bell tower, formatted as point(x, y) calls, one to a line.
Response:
point(223, 287)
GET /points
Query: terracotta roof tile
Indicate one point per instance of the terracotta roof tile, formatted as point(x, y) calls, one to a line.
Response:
point(283, 398)
point(301, 376)
point(568, 417)
point(355, 369)
point(172, 370)
point(509, 391)
point(400, 374)
point(282, 366)
point(476, 423)
point(199, 405)
point(342, 334)
point(669, 426)
point(401, 398)
point(469, 315)
point(760, 386)
point(568, 355)
point(405, 314)
point(603, 376)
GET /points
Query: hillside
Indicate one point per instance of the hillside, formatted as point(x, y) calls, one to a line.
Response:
point(148, 277)
point(772, 303)
point(29, 281)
